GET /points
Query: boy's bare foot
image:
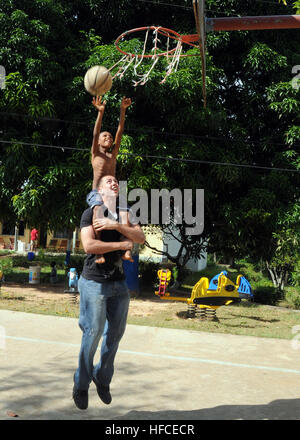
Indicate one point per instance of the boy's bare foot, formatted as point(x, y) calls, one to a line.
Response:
point(127, 256)
point(100, 259)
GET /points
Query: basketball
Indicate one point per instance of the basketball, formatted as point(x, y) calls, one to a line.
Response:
point(97, 80)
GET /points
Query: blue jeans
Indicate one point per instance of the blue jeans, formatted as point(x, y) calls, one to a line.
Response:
point(103, 311)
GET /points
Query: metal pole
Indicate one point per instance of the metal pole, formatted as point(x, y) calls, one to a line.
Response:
point(16, 238)
point(253, 23)
point(74, 241)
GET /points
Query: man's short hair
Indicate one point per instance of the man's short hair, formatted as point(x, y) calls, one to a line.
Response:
point(101, 180)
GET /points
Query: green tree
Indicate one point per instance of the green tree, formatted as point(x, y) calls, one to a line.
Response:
point(39, 49)
point(230, 149)
point(296, 4)
point(263, 111)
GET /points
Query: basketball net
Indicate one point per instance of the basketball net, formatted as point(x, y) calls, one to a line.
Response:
point(172, 55)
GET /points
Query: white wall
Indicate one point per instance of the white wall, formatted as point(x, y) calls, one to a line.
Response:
point(173, 247)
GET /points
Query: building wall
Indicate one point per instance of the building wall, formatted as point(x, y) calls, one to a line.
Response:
point(25, 238)
point(153, 234)
point(155, 238)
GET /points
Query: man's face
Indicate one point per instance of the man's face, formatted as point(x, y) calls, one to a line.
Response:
point(109, 186)
point(105, 140)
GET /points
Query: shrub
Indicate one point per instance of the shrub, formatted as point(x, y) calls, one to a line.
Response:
point(148, 273)
point(6, 265)
point(45, 260)
point(267, 295)
point(295, 275)
point(293, 298)
point(22, 261)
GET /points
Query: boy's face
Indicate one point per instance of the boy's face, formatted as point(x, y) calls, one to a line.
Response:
point(105, 140)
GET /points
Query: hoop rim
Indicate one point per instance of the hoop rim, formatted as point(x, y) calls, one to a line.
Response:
point(160, 29)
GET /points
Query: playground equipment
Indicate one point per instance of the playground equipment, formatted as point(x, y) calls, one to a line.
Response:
point(72, 284)
point(73, 280)
point(207, 296)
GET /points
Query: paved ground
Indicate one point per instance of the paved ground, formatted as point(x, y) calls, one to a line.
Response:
point(161, 374)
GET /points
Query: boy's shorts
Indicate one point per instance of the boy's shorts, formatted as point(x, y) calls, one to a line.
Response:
point(94, 198)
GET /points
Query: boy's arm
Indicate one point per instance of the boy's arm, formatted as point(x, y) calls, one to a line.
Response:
point(97, 128)
point(132, 232)
point(125, 103)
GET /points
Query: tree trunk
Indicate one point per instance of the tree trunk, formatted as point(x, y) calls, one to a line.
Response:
point(43, 235)
point(278, 276)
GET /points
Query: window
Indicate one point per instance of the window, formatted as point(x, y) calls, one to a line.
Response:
point(64, 234)
point(61, 234)
point(9, 229)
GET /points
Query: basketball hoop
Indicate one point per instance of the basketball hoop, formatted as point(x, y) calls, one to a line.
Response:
point(158, 42)
point(174, 41)
point(169, 33)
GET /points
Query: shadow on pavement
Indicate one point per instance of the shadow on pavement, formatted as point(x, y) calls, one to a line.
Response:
point(277, 410)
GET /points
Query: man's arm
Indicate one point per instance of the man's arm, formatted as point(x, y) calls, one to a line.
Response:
point(97, 128)
point(132, 232)
point(125, 103)
point(93, 246)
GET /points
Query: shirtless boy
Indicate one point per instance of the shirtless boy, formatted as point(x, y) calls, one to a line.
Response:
point(104, 157)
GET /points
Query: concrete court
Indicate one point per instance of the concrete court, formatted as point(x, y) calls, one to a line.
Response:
point(160, 374)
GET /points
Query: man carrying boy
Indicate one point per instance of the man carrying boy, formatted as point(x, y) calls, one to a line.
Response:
point(104, 297)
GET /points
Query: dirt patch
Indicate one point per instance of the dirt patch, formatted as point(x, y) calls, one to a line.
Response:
point(143, 307)
point(138, 306)
point(45, 291)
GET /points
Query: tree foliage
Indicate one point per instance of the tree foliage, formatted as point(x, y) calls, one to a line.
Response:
point(238, 149)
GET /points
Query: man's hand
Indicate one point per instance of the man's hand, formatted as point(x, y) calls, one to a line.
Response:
point(102, 224)
point(126, 245)
point(125, 103)
point(100, 106)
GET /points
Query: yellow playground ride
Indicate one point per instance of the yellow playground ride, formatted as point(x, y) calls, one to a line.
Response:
point(207, 297)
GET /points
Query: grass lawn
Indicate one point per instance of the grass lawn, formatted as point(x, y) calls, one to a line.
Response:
point(240, 319)
point(31, 303)
point(245, 318)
